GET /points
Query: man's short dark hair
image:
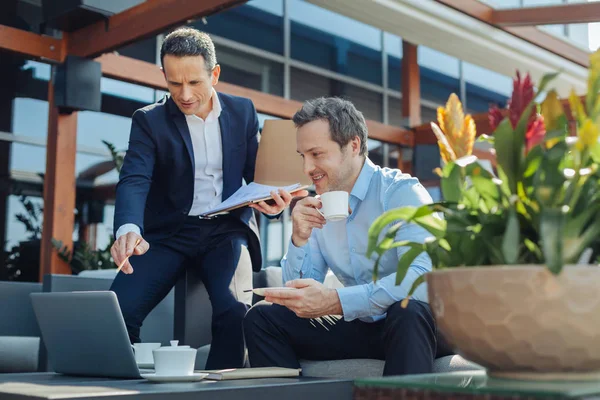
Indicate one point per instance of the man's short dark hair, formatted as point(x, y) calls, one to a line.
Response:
point(345, 121)
point(185, 42)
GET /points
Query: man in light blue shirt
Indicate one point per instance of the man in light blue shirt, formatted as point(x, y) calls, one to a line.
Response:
point(363, 319)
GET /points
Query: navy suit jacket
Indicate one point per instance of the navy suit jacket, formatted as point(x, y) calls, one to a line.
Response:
point(156, 184)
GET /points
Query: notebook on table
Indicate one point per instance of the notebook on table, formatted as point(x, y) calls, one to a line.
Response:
point(251, 373)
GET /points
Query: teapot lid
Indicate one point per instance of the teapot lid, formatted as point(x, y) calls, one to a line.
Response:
point(174, 347)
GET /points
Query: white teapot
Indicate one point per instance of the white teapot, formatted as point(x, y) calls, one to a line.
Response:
point(174, 360)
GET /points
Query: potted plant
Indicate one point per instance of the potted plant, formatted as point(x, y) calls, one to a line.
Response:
point(512, 288)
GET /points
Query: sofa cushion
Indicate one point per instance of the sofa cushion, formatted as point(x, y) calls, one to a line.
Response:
point(364, 368)
point(19, 353)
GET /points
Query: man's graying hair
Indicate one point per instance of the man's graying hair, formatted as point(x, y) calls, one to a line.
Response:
point(345, 121)
point(189, 42)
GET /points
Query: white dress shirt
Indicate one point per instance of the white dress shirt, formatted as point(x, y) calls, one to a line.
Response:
point(208, 162)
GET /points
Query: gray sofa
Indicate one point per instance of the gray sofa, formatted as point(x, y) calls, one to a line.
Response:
point(345, 369)
point(19, 331)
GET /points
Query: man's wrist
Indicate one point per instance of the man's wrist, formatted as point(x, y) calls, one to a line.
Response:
point(335, 305)
point(298, 242)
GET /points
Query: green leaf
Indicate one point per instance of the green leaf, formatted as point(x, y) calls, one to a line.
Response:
point(511, 240)
point(546, 79)
point(552, 223)
point(505, 153)
point(423, 216)
point(414, 287)
point(451, 183)
point(406, 260)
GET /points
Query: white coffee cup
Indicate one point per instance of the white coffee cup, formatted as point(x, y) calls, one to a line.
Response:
point(334, 205)
point(174, 360)
point(143, 352)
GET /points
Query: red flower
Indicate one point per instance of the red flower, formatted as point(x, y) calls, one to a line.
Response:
point(536, 133)
point(521, 96)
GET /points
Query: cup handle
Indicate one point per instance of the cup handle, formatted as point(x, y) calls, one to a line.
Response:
point(321, 212)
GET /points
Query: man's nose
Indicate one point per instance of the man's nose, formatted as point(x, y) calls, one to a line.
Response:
point(186, 93)
point(308, 166)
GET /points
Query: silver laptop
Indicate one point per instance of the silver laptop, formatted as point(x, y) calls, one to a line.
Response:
point(85, 334)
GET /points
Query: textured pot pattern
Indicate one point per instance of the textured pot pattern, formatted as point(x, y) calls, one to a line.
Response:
point(520, 318)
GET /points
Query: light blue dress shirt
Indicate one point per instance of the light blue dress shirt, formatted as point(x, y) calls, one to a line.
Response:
point(341, 246)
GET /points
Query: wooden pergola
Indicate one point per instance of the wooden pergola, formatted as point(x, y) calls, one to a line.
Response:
point(97, 41)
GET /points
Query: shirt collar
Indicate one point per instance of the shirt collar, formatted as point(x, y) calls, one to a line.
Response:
point(361, 186)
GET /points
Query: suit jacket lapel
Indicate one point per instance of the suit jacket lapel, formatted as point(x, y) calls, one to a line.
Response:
point(226, 143)
point(183, 129)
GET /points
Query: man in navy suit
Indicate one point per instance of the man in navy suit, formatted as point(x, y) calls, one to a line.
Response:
point(187, 153)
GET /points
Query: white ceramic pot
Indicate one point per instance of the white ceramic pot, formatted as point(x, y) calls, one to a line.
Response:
point(521, 321)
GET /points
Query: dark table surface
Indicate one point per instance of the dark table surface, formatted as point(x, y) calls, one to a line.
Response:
point(56, 386)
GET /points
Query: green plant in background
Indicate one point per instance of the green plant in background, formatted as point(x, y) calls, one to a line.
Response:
point(20, 257)
point(541, 207)
point(84, 257)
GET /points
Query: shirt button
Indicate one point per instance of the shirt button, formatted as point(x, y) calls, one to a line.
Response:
point(353, 250)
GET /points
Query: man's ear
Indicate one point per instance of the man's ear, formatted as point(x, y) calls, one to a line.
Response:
point(216, 72)
point(163, 72)
point(355, 144)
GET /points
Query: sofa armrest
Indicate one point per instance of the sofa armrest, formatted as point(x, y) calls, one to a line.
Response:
point(19, 353)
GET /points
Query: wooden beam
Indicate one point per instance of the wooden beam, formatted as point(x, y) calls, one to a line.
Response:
point(30, 44)
point(411, 84)
point(146, 19)
point(59, 187)
point(147, 74)
point(544, 40)
point(548, 15)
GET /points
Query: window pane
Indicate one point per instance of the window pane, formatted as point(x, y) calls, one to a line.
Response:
point(258, 23)
point(335, 42)
point(393, 50)
point(144, 50)
point(366, 101)
point(306, 85)
point(24, 124)
point(249, 71)
point(94, 127)
point(27, 157)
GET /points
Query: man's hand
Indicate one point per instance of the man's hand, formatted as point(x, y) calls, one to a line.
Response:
point(125, 247)
point(281, 200)
point(306, 217)
point(311, 299)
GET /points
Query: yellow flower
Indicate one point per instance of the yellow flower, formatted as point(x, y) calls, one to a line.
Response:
point(577, 108)
point(445, 149)
point(552, 110)
point(587, 135)
point(458, 129)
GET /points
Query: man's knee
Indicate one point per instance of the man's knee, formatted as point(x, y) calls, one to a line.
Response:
point(261, 316)
point(415, 314)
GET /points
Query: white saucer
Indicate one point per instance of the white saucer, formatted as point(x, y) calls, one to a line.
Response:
point(197, 376)
point(261, 291)
point(146, 365)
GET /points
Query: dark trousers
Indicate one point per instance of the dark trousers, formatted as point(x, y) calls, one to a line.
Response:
point(214, 247)
point(406, 339)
